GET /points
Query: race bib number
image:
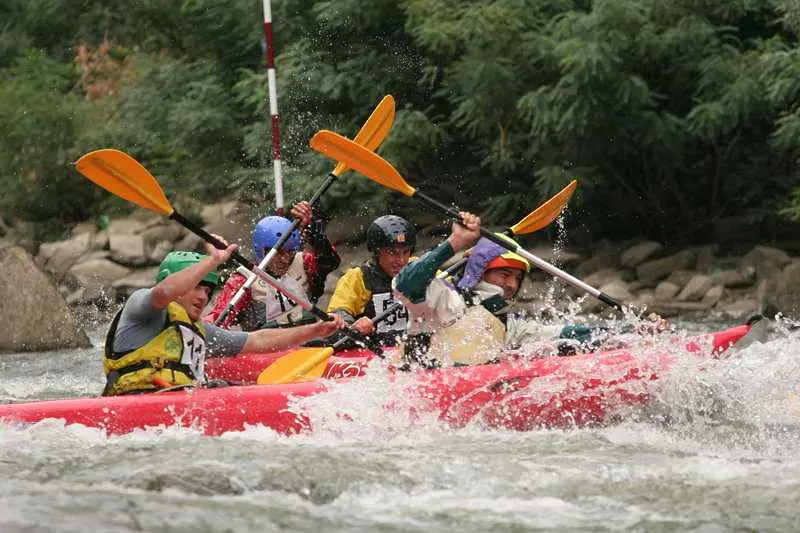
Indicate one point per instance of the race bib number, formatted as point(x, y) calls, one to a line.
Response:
point(194, 352)
point(395, 321)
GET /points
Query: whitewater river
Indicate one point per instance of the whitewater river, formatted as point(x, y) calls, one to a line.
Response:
point(717, 450)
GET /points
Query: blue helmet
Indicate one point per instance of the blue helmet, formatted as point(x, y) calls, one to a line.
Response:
point(267, 233)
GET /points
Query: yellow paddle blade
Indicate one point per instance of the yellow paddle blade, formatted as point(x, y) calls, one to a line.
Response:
point(122, 175)
point(361, 160)
point(545, 213)
point(374, 130)
point(300, 365)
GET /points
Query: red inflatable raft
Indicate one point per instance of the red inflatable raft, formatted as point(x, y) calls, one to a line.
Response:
point(519, 394)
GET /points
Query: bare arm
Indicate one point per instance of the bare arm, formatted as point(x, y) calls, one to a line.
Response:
point(268, 340)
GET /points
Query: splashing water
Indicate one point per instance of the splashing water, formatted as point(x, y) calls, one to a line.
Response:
point(715, 449)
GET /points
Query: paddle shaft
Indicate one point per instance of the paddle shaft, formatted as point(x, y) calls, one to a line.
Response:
point(379, 317)
point(239, 258)
point(540, 263)
point(542, 216)
point(274, 250)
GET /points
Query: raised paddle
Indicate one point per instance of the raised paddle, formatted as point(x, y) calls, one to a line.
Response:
point(122, 175)
point(310, 363)
point(381, 171)
point(539, 218)
point(371, 135)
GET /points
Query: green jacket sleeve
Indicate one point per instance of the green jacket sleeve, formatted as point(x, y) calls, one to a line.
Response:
point(415, 277)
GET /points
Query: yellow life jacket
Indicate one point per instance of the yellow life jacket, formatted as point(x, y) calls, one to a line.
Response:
point(176, 356)
point(475, 338)
point(366, 291)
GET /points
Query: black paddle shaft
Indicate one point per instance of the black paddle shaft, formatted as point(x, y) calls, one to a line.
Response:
point(313, 201)
point(449, 211)
point(372, 345)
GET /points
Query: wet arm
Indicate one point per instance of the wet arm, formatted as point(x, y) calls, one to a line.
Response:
point(269, 340)
point(415, 277)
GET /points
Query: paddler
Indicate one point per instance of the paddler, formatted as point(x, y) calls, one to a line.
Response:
point(157, 340)
point(467, 321)
point(301, 270)
point(365, 291)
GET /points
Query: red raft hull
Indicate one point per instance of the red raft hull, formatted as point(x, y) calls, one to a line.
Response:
point(522, 395)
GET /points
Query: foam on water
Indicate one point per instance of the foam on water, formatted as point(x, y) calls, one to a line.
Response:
point(716, 449)
point(369, 408)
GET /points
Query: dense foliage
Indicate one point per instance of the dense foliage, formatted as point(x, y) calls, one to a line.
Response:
point(673, 114)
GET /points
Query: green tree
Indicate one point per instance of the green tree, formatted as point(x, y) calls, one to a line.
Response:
point(39, 118)
point(672, 114)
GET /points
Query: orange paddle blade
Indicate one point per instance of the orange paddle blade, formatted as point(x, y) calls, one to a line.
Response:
point(374, 130)
point(122, 175)
point(546, 213)
point(361, 160)
point(300, 365)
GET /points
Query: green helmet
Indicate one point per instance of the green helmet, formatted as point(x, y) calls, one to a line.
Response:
point(177, 261)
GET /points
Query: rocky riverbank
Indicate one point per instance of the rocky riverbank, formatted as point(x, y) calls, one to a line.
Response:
point(693, 282)
point(96, 269)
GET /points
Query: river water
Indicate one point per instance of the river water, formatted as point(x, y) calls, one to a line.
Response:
point(716, 450)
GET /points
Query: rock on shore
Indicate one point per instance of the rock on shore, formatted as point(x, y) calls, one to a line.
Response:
point(35, 314)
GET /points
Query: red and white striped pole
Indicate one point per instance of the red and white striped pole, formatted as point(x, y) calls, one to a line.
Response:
point(269, 52)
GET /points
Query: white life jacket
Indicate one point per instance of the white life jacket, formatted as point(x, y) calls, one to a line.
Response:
point(461, 333)
point(475, 338)
point(277, 306)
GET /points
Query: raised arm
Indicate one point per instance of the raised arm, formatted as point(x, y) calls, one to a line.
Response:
point(415, 277)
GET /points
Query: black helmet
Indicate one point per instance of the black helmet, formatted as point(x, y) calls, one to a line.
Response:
point(389, 230)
